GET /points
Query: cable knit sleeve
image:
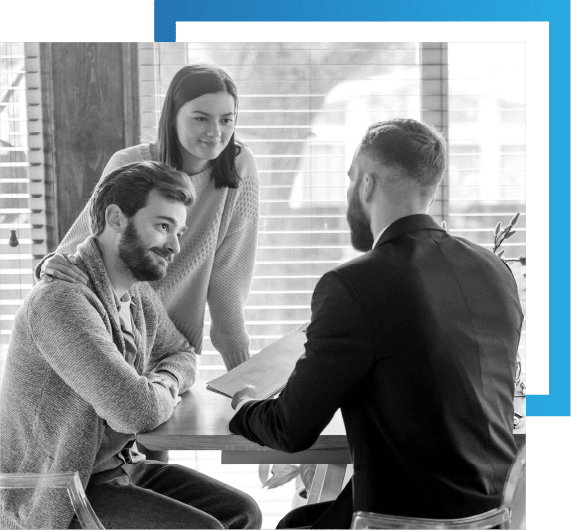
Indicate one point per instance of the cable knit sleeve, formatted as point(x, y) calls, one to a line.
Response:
point(81, 228)
point(170, 351)
point(78, 345)
point(233, 269)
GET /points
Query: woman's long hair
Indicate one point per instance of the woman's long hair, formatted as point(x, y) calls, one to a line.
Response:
point(189, 83)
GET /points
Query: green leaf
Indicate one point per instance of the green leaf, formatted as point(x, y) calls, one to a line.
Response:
point(264, 471)
point(498, 228)
point(510, 234)
point(282, 474)
point(514, 219)
point(501, 253)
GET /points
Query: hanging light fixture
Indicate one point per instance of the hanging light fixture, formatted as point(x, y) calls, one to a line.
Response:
point(13, 241)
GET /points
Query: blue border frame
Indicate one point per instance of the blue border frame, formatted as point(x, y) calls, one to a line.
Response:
point(557, 13)
point(168, 12)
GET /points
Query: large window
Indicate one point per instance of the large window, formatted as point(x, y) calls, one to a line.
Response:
point(303, 109)
point(22, 204)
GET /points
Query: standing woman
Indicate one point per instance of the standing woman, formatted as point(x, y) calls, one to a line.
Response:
point(216, 261)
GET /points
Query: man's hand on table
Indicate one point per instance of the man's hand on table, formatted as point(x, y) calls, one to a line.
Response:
point(167, 380)
point(246, 393)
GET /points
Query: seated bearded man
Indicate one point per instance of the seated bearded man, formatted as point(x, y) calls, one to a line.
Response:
point(90, 366)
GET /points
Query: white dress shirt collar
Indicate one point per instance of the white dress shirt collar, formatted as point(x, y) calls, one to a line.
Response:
point(378, 237)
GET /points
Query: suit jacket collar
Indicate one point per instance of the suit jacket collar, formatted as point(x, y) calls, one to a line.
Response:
point(410, 223)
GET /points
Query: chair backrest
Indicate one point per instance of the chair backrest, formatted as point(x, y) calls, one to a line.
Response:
point(514, 492)
point(511, 514)
point(368, 520)
point(68, 480)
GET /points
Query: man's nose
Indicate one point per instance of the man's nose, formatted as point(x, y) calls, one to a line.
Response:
point(173, 244)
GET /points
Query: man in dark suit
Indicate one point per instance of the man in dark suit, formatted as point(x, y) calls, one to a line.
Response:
point(415, 341)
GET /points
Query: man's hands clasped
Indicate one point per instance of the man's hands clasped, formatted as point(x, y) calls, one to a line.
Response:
point(166, 380)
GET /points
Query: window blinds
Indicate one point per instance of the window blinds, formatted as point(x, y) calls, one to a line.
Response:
point(487, 140)
point(22, 190)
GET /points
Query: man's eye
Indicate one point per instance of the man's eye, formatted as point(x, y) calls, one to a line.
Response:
point(200, 119)
point(165, 227)
point(227, 121)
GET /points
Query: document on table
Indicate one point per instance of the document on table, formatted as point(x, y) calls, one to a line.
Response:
point(268, 370)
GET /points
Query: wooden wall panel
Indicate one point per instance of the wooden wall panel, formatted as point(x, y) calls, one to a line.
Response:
point(93, 92)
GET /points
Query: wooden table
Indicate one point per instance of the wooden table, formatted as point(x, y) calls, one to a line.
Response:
point(200, 422)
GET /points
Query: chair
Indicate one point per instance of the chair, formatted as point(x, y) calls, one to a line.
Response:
point(68, 480)
point(511, 513)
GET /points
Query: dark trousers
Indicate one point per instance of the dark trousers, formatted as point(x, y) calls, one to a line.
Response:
point(157, 495)
point(332, 514)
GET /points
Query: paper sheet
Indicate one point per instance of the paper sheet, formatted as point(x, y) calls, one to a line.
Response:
point(268, 370)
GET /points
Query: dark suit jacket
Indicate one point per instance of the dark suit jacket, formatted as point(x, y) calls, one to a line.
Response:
point(416, 342)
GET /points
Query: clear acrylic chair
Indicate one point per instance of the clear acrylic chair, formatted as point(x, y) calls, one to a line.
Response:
point(511, 513)
point(67, 480)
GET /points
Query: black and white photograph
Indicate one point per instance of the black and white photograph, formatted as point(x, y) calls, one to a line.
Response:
point(263, 285)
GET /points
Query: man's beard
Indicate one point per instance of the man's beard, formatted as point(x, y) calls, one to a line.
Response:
point(361, 236)
point(138, 259)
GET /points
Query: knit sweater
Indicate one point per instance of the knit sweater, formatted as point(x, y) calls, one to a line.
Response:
point(66, 375)
point(216, 260)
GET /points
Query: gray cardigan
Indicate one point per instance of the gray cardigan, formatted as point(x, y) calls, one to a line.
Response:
point(66, 375)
